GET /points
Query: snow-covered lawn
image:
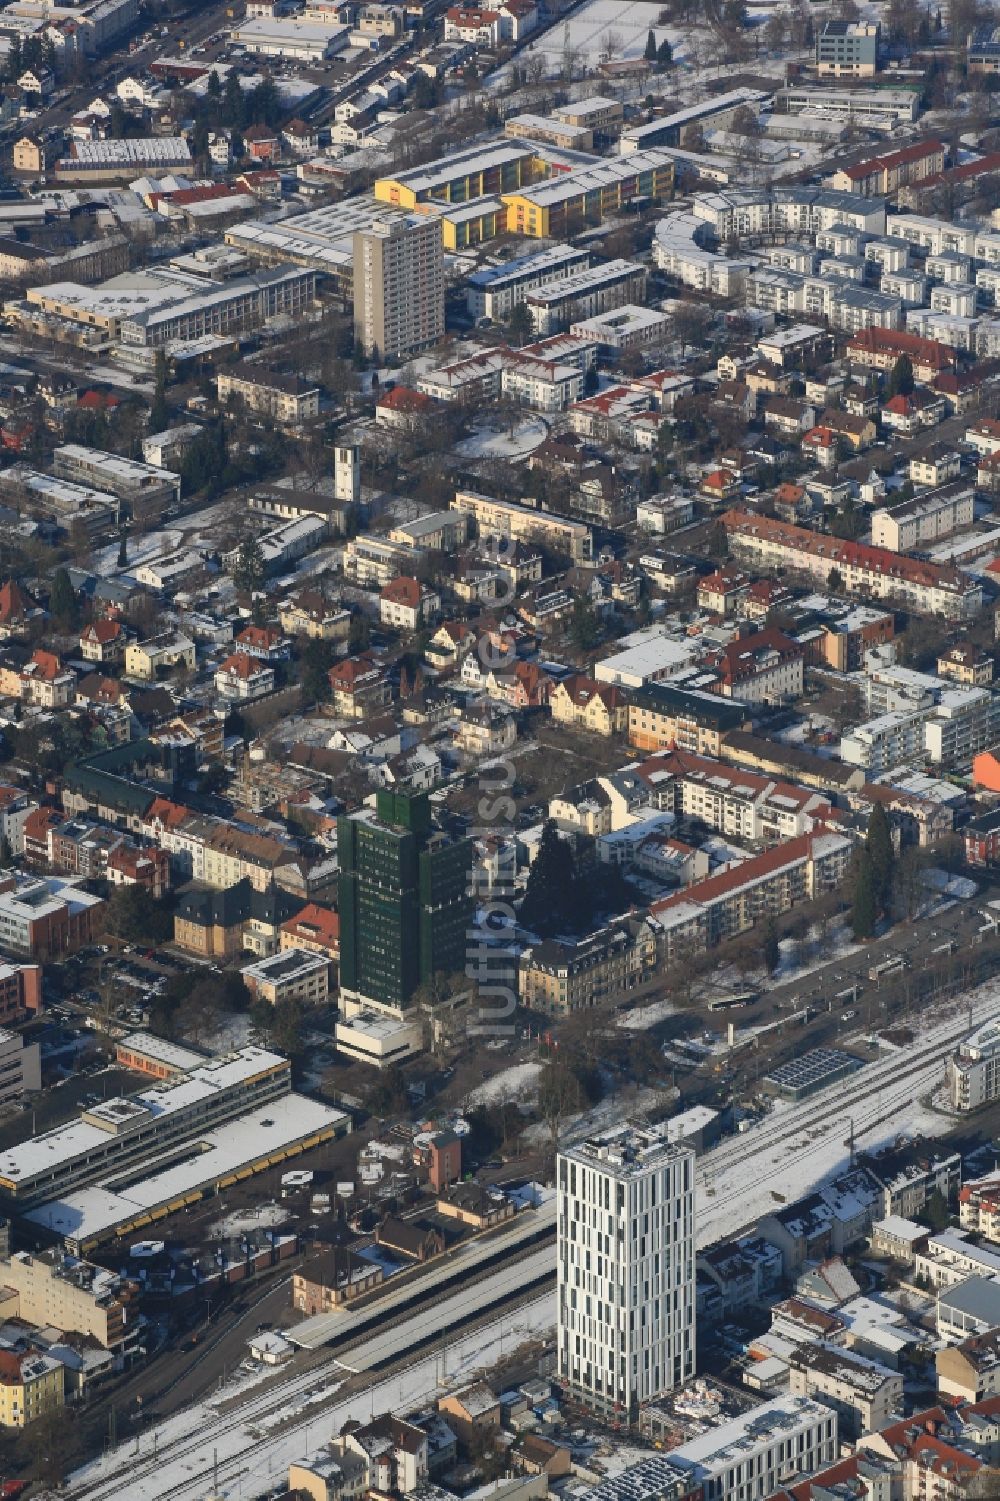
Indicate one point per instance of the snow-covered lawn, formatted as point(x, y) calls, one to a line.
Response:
point(518, 1082)
point(594, 26)
point(140, 550)
point(491, 441)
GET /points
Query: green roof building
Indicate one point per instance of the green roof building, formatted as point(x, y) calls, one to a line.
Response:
point(405, 900)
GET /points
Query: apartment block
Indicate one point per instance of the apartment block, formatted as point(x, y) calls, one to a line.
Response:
point(399, 286)
point(584, 293)
point(874, 572)
point(736, 900)
point(289, 975)
point(973, 1070)
point(63, 1292)
point(504, 518)
point(559, 978)
point(495, 291)
point(865, 1396)
point(742, 805)
point(560, 206)
point(661, 717)
point(750, 1456)
point(286, 398)
point(30, 1386)
point(882, 176)
point(924, 519)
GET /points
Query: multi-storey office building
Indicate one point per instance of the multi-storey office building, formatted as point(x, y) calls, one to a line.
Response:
point(626, 1278)
point(404, 899)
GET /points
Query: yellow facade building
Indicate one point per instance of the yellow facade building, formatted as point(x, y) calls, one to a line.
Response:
point(30, 1385)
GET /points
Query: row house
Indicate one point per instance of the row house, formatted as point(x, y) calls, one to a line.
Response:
point(880, 348)
point(855, 567)
point(232, 855)
point(526, 687)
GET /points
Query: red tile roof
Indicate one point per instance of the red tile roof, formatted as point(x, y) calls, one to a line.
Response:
point(15, 602)
point(101, 631)
point(895, 341)
point(239, 665)
point(852, 554)
point(406, 399)
point(403, 591)
point(755, 869)
point(893, 159)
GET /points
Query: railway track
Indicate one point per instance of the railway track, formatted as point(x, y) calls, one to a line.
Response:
point(867, 1099)
point(314, 1389)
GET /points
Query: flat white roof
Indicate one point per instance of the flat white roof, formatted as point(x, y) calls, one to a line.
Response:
point(163, 1051)
point(630, 316)
point(289, 29)
point(162, 150)
point(42, 1153)
point(111, 463)
point(733, 1441)
point(644, 659)
point(272, 1127)
point(378, 1025)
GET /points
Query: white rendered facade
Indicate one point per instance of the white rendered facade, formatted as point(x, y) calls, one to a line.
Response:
point(626, 1268)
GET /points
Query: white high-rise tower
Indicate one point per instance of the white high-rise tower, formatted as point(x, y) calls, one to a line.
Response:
point(626, 1247)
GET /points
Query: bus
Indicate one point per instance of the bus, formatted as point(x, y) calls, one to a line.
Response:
point(733, 1002)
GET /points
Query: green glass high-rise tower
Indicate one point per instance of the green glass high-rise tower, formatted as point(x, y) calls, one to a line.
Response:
point(405, 900)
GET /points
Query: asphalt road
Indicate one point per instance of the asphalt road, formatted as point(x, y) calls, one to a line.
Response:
point(845, 1001)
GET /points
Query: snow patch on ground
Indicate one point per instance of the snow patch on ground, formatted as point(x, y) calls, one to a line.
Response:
point(639, 1018)
point(264, 1217)
point(590, 29)
point(250, 1450)
point(518, 1082)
